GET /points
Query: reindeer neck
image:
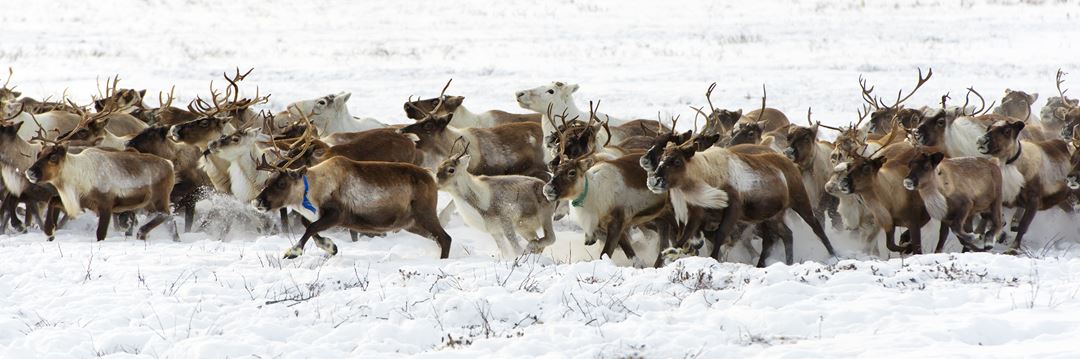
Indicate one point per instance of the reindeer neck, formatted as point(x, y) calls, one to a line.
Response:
point(470, 188)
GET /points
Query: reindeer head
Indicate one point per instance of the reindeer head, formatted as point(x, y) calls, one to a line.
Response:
point(284, 187)
point(121, 98)
point(746, 133)
point(457, 164)
point(1001, 139)
point(237, 144)
point(537, 99)
point(419, 109)
point(854, 176)
point(651, 158)
point(931, 130)
point(153, 139)
point(47, 166)
point(567, 177)
point(429, 128)
point(801, 142)
point(1018, 103)
point(671, 169)
point(920, 167)
point(88, 134)
point(200, 131)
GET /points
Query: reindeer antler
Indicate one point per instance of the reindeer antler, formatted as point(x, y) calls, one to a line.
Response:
point(165, 104)
point(920, 83)
point(764, 95)
point(1059, 80)
point(982, 102)
point(11, 72)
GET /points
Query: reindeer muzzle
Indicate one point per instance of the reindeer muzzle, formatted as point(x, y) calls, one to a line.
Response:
point(984, 145)
point(549, 192)
point(846, 186)
point(656, 184)
point(1067, 132)
point(1073, 182)
point(910, 184)
point(32, 175)
point(790, 153)
point(260, 204)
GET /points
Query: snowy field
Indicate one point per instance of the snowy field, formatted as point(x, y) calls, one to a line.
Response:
point(212, 297)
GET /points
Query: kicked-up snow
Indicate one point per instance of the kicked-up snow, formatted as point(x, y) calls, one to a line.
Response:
point(218, 295)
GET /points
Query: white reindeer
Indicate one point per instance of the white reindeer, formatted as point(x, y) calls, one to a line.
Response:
point(331, 115)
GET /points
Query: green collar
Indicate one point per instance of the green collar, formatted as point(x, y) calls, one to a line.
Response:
point(577, 202)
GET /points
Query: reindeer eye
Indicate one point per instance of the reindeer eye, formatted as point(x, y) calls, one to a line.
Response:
point(280, 184)
point(427, 126)
point(572, 173)
point(54, 157)
point(322, 103)
point(204, 123)
point(450, 170)
point(677, 162)
point(552, 92)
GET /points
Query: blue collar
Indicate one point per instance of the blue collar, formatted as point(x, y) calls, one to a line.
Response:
point(580, 200)
point(307, 203)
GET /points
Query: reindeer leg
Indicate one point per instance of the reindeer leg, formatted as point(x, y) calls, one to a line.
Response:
point(916, 239)
point(782, 229)
point(5, 212)
point(103, 222)
point(284, 212)
point(628, 249)
point(10, 202)
point(1030, 208)
point(52, 211)
point(943, 235)
point(890, 240)
point(354, 236)
point(802, 208)
point(428, 220)
point(329, 218)
point(663, 231)
point(513, 241)
point(728, 221)
point(831, 205)
point(157, 219)
point(995, 233)
point(189, 216)
point(549, 235)
point(768, 238)
point(614, 234)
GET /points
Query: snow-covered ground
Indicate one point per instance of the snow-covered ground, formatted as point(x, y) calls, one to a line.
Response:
point(382, 297)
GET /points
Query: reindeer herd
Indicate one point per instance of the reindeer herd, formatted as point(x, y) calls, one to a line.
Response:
point(737, 177)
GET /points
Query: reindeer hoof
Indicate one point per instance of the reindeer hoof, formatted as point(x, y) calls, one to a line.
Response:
point(637, 262)
point(293, 252)
point(671, 255)
point(50, 239)
point(1012, 252)
point(534, 248)
point(696, 243)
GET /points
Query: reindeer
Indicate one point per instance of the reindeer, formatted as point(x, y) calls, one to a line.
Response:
point(191, 181)
point(104, 182)
point(463, 118)
point(812, 157)
point(1017, 104)
point(746, 183)
point(559, 96)
point(16, 156)
point(331, 115)
point(166, 114)
point(1033, 173)
point(507, 207)
point(367, 197)
point(954, 190)
point(502, 150)
point(874, 181)
point(1068, 112)
point(881, 119)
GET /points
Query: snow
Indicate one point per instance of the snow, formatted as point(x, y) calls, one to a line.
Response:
point(234, 297)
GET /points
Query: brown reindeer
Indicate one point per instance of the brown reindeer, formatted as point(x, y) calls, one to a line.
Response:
point(812, 157)
point(1017, 104)
point(502, 150)
point(16, 156)
point(608, 198)
point(463, 118)
point(367, 197)
point(750, 184)
point(191, 181)
point(104, 182)
point(875, 181)
point(954, 190)
point(883, 115)
point(1033, 173)
point(1068, 112)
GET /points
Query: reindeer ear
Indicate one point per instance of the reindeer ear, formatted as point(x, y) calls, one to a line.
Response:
point(573, 88)
point(16, 93)
point(344, 97)
point(142, 93)
point(18, 125)
point(1017, 126)
point(684, 136)
point(464, 161)
point(262, 137)
point(814, 129)
point(1008, 91)
point(1059, 113)
point(1033, 97)
point(99, 104)
point(709, 140)
point(688, 151)
point(936, 158)
point(99, 124)
point(876, 163)
point(446, 119)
